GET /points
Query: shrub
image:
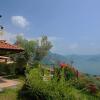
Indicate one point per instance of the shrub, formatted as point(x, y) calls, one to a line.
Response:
point(35, 88)
point(92, 88)
point(7, 69)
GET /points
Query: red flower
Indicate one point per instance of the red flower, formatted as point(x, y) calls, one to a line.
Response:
point(62, 65)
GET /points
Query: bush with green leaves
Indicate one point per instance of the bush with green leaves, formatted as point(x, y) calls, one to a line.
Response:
point(41, 90)
point(7, 69)
point(36, 88)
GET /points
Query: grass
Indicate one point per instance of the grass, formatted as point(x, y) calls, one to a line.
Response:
point(82, 95)
point(9, 94)
point(12, 93)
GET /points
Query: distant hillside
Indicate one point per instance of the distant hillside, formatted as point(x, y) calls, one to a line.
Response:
point(84, 63)
point(53, 58)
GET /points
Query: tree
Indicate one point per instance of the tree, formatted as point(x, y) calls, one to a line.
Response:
point(26, 57)
point(43, 48)
point(34, 51)
point(29, 49)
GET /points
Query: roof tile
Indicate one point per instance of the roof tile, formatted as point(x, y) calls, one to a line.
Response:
point(5, 45)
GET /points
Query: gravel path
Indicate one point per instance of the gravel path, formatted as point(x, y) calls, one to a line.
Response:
point(4, 83)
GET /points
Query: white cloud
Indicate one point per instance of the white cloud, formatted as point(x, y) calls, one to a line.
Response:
point(19, 21)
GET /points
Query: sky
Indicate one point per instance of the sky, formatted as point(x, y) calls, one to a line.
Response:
point(73, 26)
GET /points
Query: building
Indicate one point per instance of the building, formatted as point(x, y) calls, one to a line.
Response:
point(6, 49)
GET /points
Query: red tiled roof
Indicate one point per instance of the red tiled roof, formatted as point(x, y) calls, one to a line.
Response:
point(5, 45)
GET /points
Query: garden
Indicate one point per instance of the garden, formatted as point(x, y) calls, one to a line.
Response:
point(39, 81)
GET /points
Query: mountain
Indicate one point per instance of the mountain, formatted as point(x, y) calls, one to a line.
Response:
point(53, 58)
point(85, 63)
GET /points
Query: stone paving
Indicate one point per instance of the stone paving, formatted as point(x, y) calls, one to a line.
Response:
point(4, 83)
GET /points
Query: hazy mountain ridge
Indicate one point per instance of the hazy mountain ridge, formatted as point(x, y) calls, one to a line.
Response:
point(84, 63)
